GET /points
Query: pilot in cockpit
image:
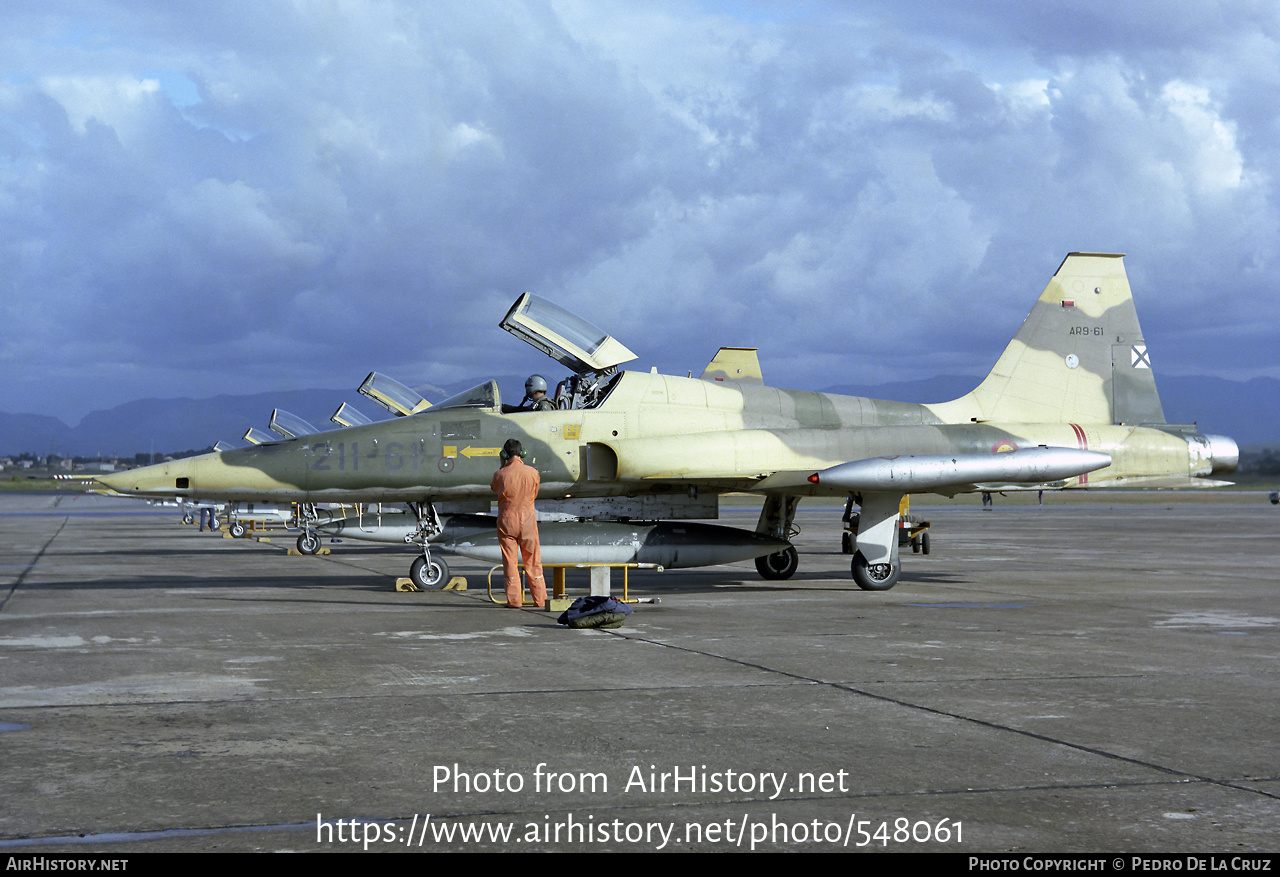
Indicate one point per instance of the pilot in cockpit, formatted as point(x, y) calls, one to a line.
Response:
point(535, 395)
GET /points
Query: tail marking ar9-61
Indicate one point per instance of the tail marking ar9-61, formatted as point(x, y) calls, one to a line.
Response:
point(1071, 403)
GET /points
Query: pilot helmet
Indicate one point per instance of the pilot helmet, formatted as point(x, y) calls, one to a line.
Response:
point(535, 384)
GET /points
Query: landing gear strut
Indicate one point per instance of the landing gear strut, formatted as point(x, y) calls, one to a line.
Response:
point(305, 515)
point(429, 573)
point(875, 565)
point(776, 519)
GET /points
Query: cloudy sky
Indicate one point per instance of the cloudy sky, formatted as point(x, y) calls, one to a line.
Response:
point(197, 198)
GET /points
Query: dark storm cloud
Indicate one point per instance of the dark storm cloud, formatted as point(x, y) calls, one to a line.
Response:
point(301, 192)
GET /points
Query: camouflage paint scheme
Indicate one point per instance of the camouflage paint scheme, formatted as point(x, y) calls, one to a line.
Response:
point(1076, 375)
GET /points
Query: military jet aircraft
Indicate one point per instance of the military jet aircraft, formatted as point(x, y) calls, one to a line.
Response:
point(1071, 403)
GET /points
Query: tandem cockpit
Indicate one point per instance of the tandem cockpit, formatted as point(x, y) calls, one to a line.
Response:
point(588, 351)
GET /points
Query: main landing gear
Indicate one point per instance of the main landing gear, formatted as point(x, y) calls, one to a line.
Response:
point(874, 576)
point(777, 519)
point(873, 541)
point(782, 565)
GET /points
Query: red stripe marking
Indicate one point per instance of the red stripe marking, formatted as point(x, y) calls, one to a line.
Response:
point(1083, 442)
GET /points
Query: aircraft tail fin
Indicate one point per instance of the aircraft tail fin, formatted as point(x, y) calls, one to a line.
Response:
point(734, 364)
point(1078, 357)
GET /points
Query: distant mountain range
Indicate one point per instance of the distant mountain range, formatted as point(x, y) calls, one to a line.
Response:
point(1248, 411)
point(166, 425)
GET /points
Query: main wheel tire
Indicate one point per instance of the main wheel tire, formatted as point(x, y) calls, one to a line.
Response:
point(780, 565)
point(877, 577)
point(846, 542)
point(188, 518)
point(308, 543)
point(429, 576)
point(237, 529)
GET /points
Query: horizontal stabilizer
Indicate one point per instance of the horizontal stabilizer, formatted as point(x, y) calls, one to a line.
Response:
point(926, 473)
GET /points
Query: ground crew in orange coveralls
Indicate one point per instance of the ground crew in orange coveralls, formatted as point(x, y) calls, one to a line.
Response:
point(517, 486)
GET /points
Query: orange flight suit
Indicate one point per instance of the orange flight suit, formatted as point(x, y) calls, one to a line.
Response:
point(517, 486)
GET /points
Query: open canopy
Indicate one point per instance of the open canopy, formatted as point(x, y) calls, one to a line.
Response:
point(564, 336)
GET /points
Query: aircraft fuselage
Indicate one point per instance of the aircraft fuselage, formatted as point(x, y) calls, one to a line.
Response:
point(651, 434)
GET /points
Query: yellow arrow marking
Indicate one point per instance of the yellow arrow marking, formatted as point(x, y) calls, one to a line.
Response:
point(480, 452)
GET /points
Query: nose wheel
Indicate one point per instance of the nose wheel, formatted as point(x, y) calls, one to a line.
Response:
point(429, 573)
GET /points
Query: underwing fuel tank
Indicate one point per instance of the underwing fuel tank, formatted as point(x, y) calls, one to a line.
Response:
point(669, 544)
point(928, 472)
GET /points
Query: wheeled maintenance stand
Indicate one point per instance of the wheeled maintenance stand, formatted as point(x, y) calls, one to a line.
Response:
point(600, 579)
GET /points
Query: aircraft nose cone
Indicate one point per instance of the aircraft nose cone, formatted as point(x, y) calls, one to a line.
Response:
point(145, 480)
point(116, 481)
